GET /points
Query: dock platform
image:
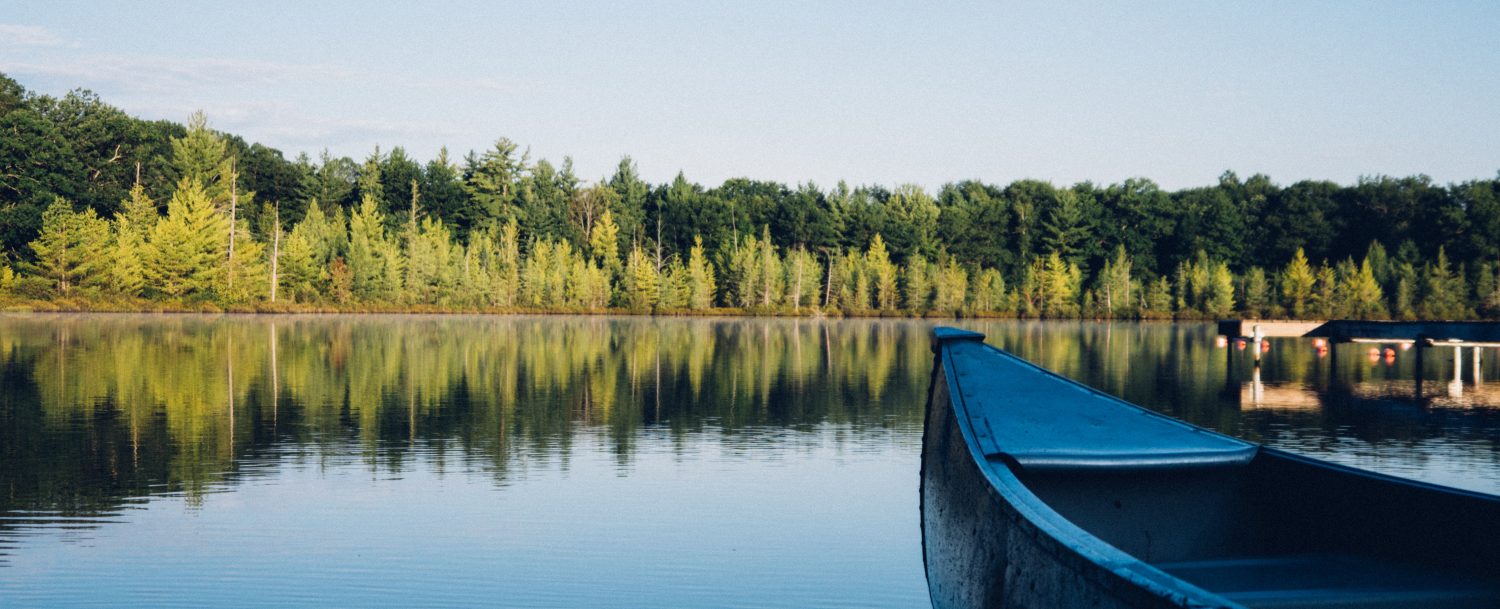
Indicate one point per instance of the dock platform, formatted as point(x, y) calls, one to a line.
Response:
point(1430, 333)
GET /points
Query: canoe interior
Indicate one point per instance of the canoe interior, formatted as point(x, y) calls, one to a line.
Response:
point(1273, 530)
point(1288, 532)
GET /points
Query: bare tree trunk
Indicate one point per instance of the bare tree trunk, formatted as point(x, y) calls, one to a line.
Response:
point(797, 292)
point(275, 252)
point(828, 285)
point(234, 201)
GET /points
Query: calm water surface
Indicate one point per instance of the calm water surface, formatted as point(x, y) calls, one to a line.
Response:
point(151, 461)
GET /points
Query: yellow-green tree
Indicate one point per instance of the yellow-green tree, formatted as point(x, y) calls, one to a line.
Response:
point(1363, 293)
point(952, 287)
point(642, 282)
point(1297, 282)
point(700, 277)
point(1220, 297)
point(802, 279)
point(882, 274)
point(184, 256)
point(604, 241)
point(244, 277)
point(297, 272)
point(919, 278)
point(369, 256)
point(69, 246)
point(989, 292)
point(1114, 287)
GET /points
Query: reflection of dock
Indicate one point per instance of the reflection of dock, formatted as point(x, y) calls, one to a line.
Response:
point(1296, 396)
point(1260, 396)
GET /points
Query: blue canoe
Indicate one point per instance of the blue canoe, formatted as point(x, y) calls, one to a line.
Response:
point(1040, 492)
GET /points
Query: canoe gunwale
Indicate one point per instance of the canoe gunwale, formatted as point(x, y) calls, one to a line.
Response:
point(1067, 543)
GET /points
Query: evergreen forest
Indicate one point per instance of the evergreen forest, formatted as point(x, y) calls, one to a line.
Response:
point(103, 211)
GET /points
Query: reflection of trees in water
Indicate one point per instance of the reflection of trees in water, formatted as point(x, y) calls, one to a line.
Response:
point(99, 407)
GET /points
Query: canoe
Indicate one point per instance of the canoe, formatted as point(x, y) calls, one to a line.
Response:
point(1037, 491)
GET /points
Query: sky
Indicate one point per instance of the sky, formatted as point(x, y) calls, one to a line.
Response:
point(868, 92)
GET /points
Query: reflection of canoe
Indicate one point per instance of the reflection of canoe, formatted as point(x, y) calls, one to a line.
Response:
point(1040, 492)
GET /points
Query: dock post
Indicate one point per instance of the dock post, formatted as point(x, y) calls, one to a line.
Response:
point(1421, 346)
point(1456, 386)
point(1477, 374)
point(1257, 336)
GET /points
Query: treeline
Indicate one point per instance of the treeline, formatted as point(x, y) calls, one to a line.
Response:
point(98, 207)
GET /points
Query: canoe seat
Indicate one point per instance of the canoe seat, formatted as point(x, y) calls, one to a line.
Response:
point(1041, 421)
point(1333, 580)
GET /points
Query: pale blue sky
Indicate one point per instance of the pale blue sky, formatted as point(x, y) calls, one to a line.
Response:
point(797, 91)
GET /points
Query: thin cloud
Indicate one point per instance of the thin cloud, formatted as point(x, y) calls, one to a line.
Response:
point(164, 75)
point(170, 76)
point(281, 126)
point(29, 36)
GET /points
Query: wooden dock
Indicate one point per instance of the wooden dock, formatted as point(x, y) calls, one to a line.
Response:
point(1430, 333)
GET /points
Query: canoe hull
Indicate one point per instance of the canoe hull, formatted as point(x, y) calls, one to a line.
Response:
point(1164, 523)
point(982, 551)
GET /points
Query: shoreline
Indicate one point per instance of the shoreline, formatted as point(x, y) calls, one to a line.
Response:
point(207, 308)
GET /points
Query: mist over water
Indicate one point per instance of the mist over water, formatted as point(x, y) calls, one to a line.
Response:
point(577, 461)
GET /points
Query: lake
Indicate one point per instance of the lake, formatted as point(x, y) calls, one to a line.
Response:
point(457, 461)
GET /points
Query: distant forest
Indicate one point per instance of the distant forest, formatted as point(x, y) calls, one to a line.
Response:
point(100, 210)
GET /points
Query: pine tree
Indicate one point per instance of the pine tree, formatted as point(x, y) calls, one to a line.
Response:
point(367, 259)
point(1445, 291)
point(989, 292)
point(184, 256)
point(1363, 294)
point(203, 157)
point(1406, 292)
point(771, 272)
point(138, 214)
point(588, 284)
point(1220, 291)
point(952, 288)
point(127, 272)
point(1114, 285)
point(326, 236)
point(641, 281)
point(1059, 286)
point(133, 224)
point(1297, 284)
point(533, 274)
point(675, 288)
point(430, 264)
point(507, 265)
point(882, 274)
point(68, 248)
point(297, 270)
point(1257, 292)
point(245, 276)
point(802, 279)
point(1324, 302)
point(701, 285)
point(1063, 227)
point(604, 242)
point(918, 283)
point(1158, 304)
point(1490, 294)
